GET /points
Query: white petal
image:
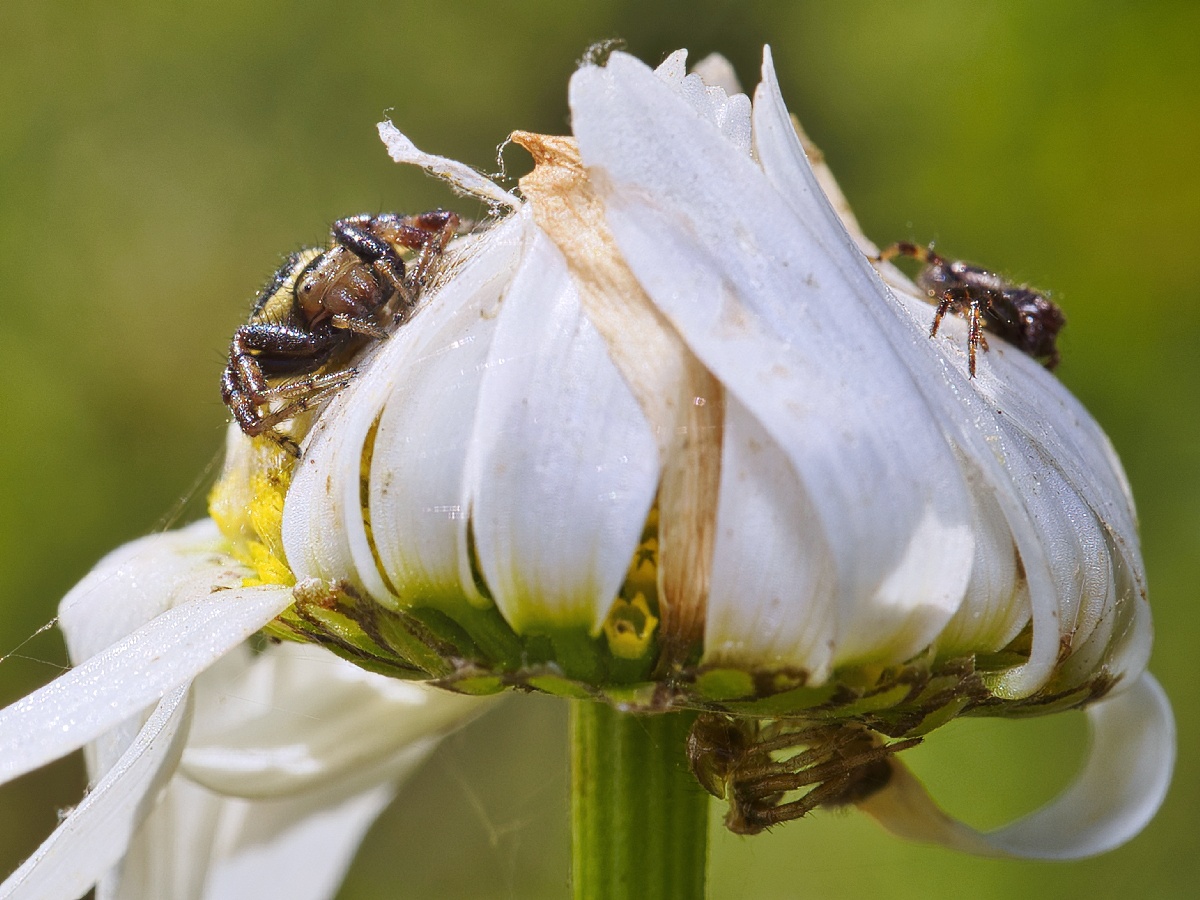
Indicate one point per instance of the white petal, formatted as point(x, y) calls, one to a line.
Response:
point(718, 71)
point(427, 375)
point(197, 844)
point(771, 313)
point(298, 848)
point(1120, 788)
point(786, 165)
point(673, 69)
point(131, 674)
point(1010, 465)
point(128, 588)
point(301, 718)
point(729, 110)
point(1080, 462)
point(774, 615)
point(97, 832)
point(997, 603)
point(301, 845)
point(317, 742)
point(461, 177)
point(564, 465)
point(418, 496)
point(136, 582)
point(1074, 547)
point(171, 855)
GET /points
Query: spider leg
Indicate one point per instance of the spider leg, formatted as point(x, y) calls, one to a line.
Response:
point(975, 336)
point(305, 401)
point(925, 255)
point(427, 233)
point(353, 233)
point(952, 298)
point(306, 386)
point(261, 350)
point(358, 326)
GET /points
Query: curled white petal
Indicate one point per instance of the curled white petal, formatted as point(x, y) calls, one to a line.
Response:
point(173, 852)
point(97, 832)
point(294, 753)
point(131, 674)
point(461, 177)
point(1120, 788)
point(199, 844)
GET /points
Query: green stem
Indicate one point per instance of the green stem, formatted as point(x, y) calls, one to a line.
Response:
point(639, 820)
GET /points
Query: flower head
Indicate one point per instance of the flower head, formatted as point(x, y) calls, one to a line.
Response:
point(663, 435)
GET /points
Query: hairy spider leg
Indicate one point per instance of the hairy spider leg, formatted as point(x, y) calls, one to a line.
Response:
point(358, 326)
point(427, 233)
point(353, 233)
point(906, 248)
point(244, 385)
point(957, 297)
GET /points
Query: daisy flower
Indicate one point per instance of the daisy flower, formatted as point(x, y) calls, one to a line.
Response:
point(664, 437)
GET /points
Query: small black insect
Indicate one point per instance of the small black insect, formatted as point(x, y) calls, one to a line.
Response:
point(320, 306)
point(1028, 320)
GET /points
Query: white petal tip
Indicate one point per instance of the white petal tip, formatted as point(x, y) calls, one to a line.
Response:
point(1121, 786)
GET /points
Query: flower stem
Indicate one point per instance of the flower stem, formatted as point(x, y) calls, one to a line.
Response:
point(639, 820)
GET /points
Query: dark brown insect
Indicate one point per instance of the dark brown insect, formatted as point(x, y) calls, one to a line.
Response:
point(319, 307)
point(1028, 320)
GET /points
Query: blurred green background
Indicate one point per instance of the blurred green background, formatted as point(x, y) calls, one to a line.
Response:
point(156, 160)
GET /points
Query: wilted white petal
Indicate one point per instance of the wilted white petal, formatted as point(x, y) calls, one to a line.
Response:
point(96, 833)
point(768, 310)
point(1119, 790)
point(461, 177)
point(557, 432)
point(131, 674)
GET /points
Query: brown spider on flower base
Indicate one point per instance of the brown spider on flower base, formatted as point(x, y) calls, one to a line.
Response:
point(773, 770)
point(319, 306)
point(1020, 315)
